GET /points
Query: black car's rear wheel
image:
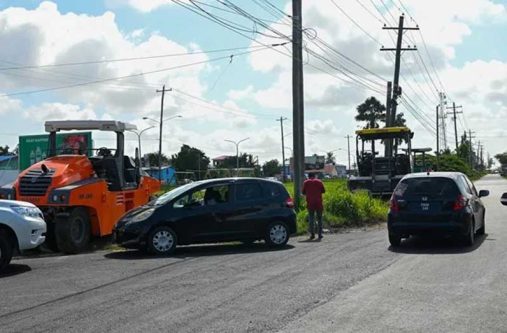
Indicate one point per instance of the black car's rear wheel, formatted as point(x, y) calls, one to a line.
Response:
point(6, 249)
point(482, 229)
point(469, 238)
point(394, 239)
point(73, 232)
point(277, 234)
point(162, 241)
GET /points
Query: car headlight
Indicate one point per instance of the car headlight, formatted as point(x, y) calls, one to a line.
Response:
point(142, 216)
point(27, 211)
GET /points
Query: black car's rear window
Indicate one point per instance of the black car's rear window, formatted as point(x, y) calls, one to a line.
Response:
point(433, 187)
point(248, 191)
point(275, 190)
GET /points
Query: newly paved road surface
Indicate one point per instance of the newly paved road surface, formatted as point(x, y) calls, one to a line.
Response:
point(348, 282)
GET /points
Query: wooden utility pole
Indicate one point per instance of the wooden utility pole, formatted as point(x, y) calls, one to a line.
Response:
point(283, 147)
point(160, 134)
point(297, 100)
point(454, 113)
point(396, 87)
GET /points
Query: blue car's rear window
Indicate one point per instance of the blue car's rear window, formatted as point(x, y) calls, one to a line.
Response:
point(433, 187)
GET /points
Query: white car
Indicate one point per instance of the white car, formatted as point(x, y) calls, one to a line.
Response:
point(22, 227)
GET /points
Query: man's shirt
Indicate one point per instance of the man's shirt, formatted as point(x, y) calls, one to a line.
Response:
point(313, 189)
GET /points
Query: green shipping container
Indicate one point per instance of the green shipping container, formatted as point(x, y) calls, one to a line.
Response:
point(34, 148)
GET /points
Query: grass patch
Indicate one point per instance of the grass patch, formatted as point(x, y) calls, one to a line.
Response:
point(343, 208)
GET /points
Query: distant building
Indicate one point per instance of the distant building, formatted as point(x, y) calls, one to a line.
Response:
point(219, 162)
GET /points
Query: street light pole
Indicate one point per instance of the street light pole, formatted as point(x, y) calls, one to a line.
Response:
point(160, 139)
point(161, 124)
point(237, 152)
point(139, 139)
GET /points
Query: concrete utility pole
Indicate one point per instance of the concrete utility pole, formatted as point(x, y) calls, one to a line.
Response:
point(388, 142)
point(297, 100)
point(454, 113)
point(283, 145)
point(391, 113)
point(348, 148)
point(470, 137)
point(443, 132)
point(438, 138)
point(160, 138)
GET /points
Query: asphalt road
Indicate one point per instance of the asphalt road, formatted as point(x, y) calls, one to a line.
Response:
point(348, 282)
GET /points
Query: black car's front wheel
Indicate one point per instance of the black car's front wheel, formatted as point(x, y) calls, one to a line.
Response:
point(277, 234)
point(162, 241)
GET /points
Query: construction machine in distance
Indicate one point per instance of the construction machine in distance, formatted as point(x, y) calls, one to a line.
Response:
point(83, 196)
point(380, 175)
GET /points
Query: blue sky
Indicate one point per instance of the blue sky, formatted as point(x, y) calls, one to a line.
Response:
point(463, 38)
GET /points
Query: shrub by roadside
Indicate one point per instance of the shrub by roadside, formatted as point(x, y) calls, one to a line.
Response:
point(343, 208)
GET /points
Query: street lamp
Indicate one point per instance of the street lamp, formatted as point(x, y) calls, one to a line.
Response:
point(237, 152)
point(139, 133)
point(160, 140)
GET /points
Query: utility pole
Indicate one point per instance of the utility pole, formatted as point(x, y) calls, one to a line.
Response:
point(438, 139)
point(471, 152)
point(443, 132)
point(389, 142)
point(160, 138)
point(454, 113)
point(348, 148)
point(298, 100)
point(283, 145)
point(396, 88)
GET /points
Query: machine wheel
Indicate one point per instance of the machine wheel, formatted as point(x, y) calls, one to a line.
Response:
point(162, 241)
point(6, 249)
point(482, 230)
point(394, 239)
point(73, 232)
point(277, 234)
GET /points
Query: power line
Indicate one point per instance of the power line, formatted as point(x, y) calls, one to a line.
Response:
point(80, 84)
point(91, 62)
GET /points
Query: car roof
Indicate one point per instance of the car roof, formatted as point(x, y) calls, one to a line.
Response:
point(431, 174)
point(233, 180)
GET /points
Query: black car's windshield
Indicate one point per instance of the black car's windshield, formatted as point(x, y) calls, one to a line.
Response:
point(168, 196)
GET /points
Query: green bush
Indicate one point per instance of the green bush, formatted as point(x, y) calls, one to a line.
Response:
point(343, 208)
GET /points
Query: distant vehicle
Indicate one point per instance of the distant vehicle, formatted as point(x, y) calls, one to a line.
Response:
point(215, 210)
point(82, 196)
point(503, 200)
point(380, 175)
point(436, 203)
point(22, 227)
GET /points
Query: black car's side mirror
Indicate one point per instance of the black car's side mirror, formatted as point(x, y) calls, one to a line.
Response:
point(503, 200)
point(483, 193)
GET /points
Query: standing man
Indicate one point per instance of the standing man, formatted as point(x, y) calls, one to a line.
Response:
point(313, 189)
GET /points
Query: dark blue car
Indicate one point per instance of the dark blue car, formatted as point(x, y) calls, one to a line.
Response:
point(216, 210)
point(436, 203)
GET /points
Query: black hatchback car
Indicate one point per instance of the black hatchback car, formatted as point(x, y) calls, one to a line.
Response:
point(436, 203)
point(216, 210)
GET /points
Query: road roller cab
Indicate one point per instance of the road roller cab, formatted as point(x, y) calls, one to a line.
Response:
point(83, 196)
